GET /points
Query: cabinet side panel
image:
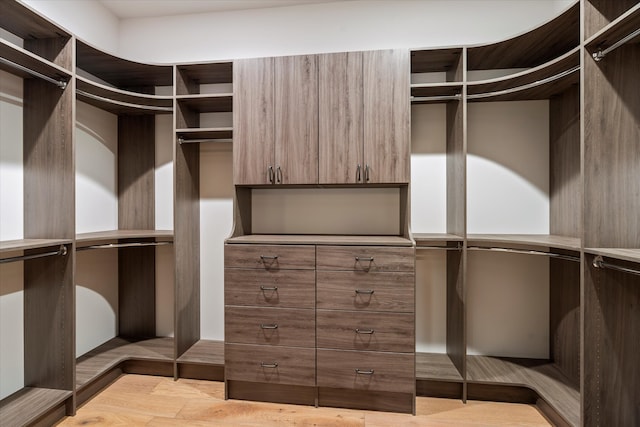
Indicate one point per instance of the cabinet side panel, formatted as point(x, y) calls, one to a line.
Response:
point(565, 183)
point(136, 163)
point(456, 169)
point(136, 292)
point(296, 108)
point(253, 120)
point(456, 318)
point(387, 115)
point(340, 118)
point(612, 156)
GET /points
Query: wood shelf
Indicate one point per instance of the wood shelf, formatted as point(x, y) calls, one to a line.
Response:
point(632, 255)
point(120, 101)
point(532, 48)
point(533, 240)
point(27, 405)
point(31, 61)
point(299, 239)
point(117, 350)
point(204, 352)
point(617, 30)
point(208, 103)
point(423, 239)
point(541, 376)
point(24, 244)
point(21, 20)
point(438, 92)
point(223, 133)
point(436, 366)
point(190, 77)
point(435, 60)
point(113, 236)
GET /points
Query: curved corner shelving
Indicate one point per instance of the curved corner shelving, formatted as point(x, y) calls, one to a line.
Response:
point(87, 240)
point(539, 241)
point(25, 64)
point(119, 101)
point(624, 30)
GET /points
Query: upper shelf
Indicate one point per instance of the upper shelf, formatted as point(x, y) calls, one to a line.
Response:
point(625, 29)
point(190, 78)
point(118, 101)
point(448, 61)
point(207, 103)
point(299, 239)
point(121, 73)
point(24, 244)
point(115, 236)
point(533, 48)
point(599, 14)
point(24, 63)
point(532, 240)
point(430, 93)
point(624, 254)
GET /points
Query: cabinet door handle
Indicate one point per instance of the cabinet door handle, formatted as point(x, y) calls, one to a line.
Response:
point(267, 326)
point(271, 174)
point(269, 365)
point(364, 371)
point(364, 258)
point(358, 173)
point(365, 331)
point(366, 173)
point(268, 288)
point(263, 257)
point(278, 175)
point(365, 291)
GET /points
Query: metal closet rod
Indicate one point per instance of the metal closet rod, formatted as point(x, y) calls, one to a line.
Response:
point(60, 83)
point(124, 245)
point(526, 252)
point(62, 251)
point(599, 262)
point(601, 53)
point(455, 97)
point(525, 87)
point(181, 140)
point(122, 103)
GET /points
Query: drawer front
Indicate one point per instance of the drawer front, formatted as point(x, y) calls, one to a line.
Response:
point(274, 365)
point(349, 330)
point(270, 257)
point(270, 326)
point(367, 370)
point(365, 258)
point(353, 290)
point(267, 288)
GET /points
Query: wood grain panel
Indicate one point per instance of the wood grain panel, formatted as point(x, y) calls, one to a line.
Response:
point(253, 325)
point(391, 291)
point(191, 76)
point(22, 21)
point(58, 50)
point(599, 13)
point(205, 352)
point(340, 120)
point(187, 246)
point(387, 116)
point(49, 172)
point(390, 331)
point(137, 292)
point(611, 157)
point(317, 239)
point(392, 372)
point(296, 115)
point(357, 258)
point(565, 180)
point(369, 400)
point(296, 395)
point(456, 168)
point(270, 257)
point(28, 405)
point(611, 327)
point(293, 288)
point(456, 310)
point(253, 120)
point(295, 366)
point(437, 367)
point(49, 330)
point(136, 172)
point(186, 117)
point(436, 61)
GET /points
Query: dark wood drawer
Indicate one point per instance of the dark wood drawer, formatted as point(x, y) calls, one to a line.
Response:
point(349, 330)
point(270, 257)
point(268, 288)
point(367, 370)
point(353, 290)
point(275, 365)
point(365, 258)
point(270, 326)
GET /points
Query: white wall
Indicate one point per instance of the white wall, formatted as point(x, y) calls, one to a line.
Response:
point(11, 328)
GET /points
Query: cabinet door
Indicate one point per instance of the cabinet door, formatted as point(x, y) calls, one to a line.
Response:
point(296, 110)
point(253, 121)
point(387, 140)
point(340, 118)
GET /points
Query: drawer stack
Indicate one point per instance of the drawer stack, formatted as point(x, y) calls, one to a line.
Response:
point(270, 331)
point(365, 327)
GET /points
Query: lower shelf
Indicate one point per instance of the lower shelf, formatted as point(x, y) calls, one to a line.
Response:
point(205, 352)
point(29, 404)
point(436, 366)
point(540, 375)
point(117, 350)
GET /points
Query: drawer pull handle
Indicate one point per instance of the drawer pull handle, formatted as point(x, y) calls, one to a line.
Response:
point(365, 331)
point(365, 291)
point(364, 371)
point(263, 257)
point(269, 365)
point(364, 258)
point(268, 288)
point(271, 326)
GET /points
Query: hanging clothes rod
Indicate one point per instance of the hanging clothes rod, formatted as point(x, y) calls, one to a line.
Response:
point(601, 53)
point(193, 141)
point(525, 87)
point(599, 262)
point(526, 252)
point(124, 245)
point(455, 97)
point(62, 251)
point(122, 103)
point(60, 83)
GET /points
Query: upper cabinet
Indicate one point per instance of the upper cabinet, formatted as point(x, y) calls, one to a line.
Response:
point(338, 118)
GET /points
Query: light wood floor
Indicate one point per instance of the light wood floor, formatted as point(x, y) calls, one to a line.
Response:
point(138, 400)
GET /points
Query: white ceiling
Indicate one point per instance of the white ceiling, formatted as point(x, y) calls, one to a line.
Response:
point(147, 8)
